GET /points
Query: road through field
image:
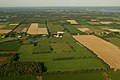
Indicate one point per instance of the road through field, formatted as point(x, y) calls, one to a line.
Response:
point(108, 52)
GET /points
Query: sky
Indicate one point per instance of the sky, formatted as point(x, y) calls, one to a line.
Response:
point(37, 3)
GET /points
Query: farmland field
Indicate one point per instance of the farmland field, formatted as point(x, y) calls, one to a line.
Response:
point(55, 43)
point(101, 49)
point(10, 46)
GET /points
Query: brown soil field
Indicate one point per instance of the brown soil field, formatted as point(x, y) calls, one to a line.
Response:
point(4, 31)
point(108, 52)
point(42, 31)
point(2, 59)
point(72, 21)
point(33, 29)
point(18, 30)
point(2, 26)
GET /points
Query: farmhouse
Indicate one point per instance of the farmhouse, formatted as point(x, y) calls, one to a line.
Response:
point(58, 34)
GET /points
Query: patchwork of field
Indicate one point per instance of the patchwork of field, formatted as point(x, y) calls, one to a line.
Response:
point(72, 21)
point(110, 54)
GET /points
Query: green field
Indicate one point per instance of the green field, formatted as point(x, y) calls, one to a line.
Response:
point(114, 40)
point(72, 29)
point(8, 27)
point(74, 65)
point(19, 78)
point(24, 25)
point(42, 46)
point(114, 75)
point(42, 26)
point(75, 76)
point(10, 46)
point(54, 28)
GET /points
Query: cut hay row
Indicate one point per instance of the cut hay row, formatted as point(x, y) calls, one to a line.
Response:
point(114, 30)
point(13, 24)
point(108, 52)
point(42, 31)
point(105, 23)
point(33, 29)
point(72, 21)
point(4, 31)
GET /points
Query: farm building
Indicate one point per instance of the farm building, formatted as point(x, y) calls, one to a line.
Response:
point(58, 34)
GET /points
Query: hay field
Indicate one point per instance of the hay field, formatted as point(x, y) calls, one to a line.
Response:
point(42, 31)
point(4, 31)
point(108, 52)
point(24, 30)
point(33, 29)
point(72, 21)
point(84, 29)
